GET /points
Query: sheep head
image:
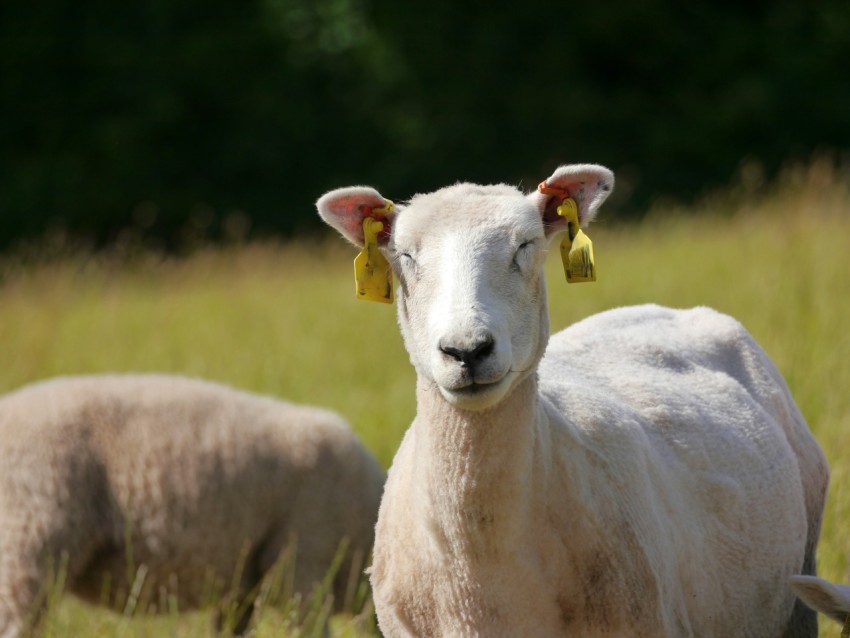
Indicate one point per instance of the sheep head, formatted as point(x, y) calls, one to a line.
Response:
point(469, 259)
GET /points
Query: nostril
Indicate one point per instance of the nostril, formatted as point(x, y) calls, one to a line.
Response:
point(455, 353)
point(471, 355)
point(483, 349)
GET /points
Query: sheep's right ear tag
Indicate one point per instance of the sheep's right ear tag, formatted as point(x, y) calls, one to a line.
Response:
point(576, 247)
point(373, 277)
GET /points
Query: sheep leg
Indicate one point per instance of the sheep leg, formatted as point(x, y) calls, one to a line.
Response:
point(43, 550)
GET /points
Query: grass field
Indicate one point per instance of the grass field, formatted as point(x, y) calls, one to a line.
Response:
point(283, 320)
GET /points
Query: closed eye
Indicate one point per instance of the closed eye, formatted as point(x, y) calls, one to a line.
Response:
point(522, 252)
point(404, 260)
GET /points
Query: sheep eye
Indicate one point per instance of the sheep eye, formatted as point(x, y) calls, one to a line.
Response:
point(522, 252)
point(405, 260)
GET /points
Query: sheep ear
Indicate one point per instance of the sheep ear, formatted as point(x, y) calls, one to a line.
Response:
point(346, 208)
point(365, 219)
point(823, 596)
point(587, 184)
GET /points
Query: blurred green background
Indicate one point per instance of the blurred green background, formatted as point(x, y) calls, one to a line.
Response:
point(169, 124)
point(174, 120)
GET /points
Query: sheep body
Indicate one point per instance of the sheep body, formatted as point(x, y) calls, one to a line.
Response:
point(206, 482)
point(669, 476)
point(649, 476)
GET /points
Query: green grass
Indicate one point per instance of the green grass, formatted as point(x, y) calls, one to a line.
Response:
point(283, 320)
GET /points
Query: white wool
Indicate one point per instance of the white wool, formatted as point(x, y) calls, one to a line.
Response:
point(649, 476)
point(208, 481)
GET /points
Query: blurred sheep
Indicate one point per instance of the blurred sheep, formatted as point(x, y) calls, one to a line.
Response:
point(175, 490)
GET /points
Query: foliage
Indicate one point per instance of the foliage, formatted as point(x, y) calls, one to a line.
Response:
point(282, 319)
point(178, 120)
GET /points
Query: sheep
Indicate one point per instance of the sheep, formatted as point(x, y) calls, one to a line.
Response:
point(175, 490)
point(825, 597)
point(649, 475)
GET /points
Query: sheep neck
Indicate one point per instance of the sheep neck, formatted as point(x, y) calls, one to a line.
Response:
point(478, 468)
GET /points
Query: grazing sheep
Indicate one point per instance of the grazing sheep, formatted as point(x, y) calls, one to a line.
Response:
point(209, 484)
point(823, 596)
point(649, 476)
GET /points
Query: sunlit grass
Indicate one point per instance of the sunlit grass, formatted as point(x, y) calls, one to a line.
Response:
point(282, 319)
point(275, 610)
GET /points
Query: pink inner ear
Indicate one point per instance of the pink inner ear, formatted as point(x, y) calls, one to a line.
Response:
point(349, 211)
point(557, 189)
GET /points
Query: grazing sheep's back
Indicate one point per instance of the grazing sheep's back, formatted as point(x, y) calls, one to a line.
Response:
point(206, 479)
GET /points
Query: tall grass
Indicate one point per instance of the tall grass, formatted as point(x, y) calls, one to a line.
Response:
point(282, 319)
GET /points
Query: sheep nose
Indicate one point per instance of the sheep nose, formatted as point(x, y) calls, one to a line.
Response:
point(470, 355)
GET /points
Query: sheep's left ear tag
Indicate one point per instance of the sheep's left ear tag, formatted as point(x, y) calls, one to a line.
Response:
point(373, 277)
point(576, 247)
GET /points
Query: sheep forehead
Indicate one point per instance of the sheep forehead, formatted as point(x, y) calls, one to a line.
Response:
point(476, 213)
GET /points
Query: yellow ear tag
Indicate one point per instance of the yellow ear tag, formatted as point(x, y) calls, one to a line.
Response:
point(373, 277)
point(576, 247)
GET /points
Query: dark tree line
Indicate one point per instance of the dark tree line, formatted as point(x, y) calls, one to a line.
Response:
point(182, 116)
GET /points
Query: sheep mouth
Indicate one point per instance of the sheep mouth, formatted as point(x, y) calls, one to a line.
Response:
point(476, 395)
point(469, 385)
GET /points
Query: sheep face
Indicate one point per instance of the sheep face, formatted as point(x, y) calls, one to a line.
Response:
point(469, 259)
point(471, 302)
